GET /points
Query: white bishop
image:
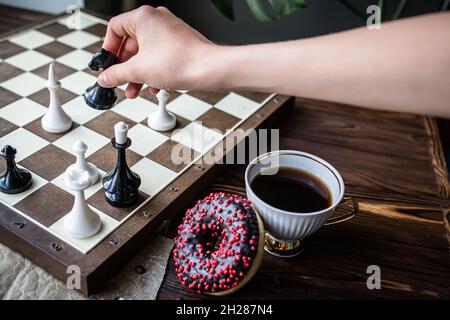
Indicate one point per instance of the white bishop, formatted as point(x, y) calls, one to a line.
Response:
point(55, 120)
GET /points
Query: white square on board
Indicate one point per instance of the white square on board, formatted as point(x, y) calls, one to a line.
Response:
point(135, 109)
point(92, 139)
point(31, 39)
point(22, 111)
point(85, 245)
point(153, 176)
point(77, 59)
point(25, 142)
point(79, 111)
point(188, 107)
point(78, 39)
point(11, 199)
point(78, 82)
point(144, 140)
point(237, 106)
point(17, 85)
point(84, 21)
point(29, 60)
point(197, 137)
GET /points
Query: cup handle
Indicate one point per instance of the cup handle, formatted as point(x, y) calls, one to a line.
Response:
point(346, 210)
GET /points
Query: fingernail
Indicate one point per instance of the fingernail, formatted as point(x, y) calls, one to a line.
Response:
point(103, 81)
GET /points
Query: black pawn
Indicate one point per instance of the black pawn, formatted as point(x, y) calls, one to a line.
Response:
point(121, 184)
point(13, 180)
point(96, 96)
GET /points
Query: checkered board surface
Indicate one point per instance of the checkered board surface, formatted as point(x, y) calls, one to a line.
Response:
point(24, 99)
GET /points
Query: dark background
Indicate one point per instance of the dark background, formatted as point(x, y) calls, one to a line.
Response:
point(320, 17)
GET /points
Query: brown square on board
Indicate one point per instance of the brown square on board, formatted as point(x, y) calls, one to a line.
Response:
point(104, 123)
point(255, 96)
point(43, 96)
point(98, 201)
point(92, 72)
point(209, 97)
point(93, 48)
point(7, 97)
point(55, 30)
point(120, 95)
point(163, 155)
point(54, 49)
point(98, 29)
point(8, 71)
point(217, 119)
point(9, 49)
point(106, 158)
point(47, 204)
point(152, 98)
point(49, 162)
point(61, 71)
point(6, 127)
point(36, 128)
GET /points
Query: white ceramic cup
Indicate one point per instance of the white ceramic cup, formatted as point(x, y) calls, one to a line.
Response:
point(286, 229)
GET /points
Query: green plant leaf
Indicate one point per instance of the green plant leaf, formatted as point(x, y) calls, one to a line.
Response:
point(399, 10)
point(225, 7)
point(286, 7)
point(258, 11)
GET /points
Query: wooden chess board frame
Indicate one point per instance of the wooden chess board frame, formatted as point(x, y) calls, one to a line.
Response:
point(116, 249)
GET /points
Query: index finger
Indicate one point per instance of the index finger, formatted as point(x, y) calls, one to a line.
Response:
point(118, 28)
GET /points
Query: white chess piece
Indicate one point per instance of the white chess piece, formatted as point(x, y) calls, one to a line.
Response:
point(81, 222)
point(55, 120)
point(120, 132)
point(161, 119)
point(81, 165)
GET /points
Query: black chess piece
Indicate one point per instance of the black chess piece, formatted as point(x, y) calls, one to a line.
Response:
point(121, 184)
point(13, 180)
point(96, 96)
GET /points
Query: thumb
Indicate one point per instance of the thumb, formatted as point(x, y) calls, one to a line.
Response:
point(118, 74)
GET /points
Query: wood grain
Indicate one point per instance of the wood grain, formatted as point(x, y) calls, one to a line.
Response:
point(393, 164)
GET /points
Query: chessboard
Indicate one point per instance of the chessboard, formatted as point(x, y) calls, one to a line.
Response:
point(31, 222)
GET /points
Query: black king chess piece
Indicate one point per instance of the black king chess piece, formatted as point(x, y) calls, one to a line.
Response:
point(13, 180)
point(98, 97)
point(121, 184)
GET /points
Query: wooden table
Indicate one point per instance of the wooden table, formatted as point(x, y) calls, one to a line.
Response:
point(393, 164)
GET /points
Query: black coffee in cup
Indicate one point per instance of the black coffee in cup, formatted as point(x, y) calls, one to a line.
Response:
point(292, 190)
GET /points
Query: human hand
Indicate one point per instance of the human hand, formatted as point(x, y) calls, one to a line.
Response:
point(154, 47)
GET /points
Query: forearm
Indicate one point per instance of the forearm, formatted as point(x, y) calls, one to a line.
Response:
point(405, 66)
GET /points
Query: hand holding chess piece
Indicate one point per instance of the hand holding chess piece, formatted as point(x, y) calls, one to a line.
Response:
point(161, 119)
point(81, 222)
point(96, 96)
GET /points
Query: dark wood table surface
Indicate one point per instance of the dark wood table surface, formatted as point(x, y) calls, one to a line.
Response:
point(392, 164)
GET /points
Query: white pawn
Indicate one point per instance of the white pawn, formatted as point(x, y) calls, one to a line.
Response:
point(55, 120)
point(81, 166)
point(161, 119)
point(81, 222)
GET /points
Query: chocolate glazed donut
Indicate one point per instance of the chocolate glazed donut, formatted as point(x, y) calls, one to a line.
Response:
point(219, 245)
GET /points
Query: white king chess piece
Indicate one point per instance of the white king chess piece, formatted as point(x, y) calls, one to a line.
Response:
point(161, 119)
point(81, 166)
point(81, 222)
point(55, 120)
